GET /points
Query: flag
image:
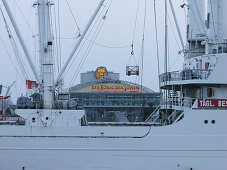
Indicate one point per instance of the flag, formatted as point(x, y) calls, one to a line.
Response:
point(36, 85)
point(31, 84)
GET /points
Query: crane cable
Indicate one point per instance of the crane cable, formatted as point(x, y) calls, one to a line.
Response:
point(133, 35)
point(143, 41)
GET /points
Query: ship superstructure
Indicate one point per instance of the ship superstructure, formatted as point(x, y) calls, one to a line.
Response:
point(200, 84)
point(187, 131)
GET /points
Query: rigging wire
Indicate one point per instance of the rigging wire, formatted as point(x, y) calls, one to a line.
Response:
point(21, 63)
point(171, 25)
point(136, 18)
point(7, 53)
point(107, 46)
point(56, 40)
point(88, 50)
point(85, 41)
point(134, 33)
point(51, 23)
point(200, 17)
point(174, 62)
point(143, 41)
point(98, 44)
point(185, 15)
point(157, 41)
point(74, 18)
point(211, 6)
point(59, 34)
point(30, 28)
point(18, 56)
point(196, 21)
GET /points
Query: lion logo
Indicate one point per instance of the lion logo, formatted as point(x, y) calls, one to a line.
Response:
point(101, 72)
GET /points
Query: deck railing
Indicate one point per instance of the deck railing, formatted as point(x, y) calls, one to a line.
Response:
point(177, 101)
point(185, 75)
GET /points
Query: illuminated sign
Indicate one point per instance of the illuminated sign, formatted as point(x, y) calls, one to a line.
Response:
point(115, 88)
point(110, 87)
point(101, 72)
point(212, 103)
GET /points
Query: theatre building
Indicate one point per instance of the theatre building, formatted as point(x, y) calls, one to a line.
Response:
point(106, 98)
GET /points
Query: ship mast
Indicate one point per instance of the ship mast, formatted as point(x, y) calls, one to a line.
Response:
point(46, 53)
point(46, 76)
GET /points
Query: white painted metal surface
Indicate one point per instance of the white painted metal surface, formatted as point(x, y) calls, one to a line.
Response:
point(218, 15)
point(196, 19)
point(46, 53)
point(56, 139)
point(187, 144)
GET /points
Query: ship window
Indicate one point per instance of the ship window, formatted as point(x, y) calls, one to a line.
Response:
point(209, 92)
point(205, 121)
point(213, 121)
point(47, 118)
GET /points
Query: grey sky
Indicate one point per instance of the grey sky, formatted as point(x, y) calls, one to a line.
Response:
point(117, 31)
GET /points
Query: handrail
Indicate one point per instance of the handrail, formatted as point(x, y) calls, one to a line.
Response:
point(181, 102)
point(152, 114)
point(193, 74)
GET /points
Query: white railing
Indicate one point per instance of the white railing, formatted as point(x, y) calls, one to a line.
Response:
point(185, 75)
point(180, 102)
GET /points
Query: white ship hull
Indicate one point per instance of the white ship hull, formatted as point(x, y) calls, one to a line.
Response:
point(190, 143)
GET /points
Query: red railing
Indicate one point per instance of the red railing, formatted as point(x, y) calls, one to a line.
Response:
point(3, 101)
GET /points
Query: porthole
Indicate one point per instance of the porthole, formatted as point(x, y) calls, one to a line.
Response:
point(47, 118)
point(33, 119)
point(205, 121)
point(213, 121)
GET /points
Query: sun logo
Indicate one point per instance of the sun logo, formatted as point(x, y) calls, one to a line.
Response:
point(101, 72)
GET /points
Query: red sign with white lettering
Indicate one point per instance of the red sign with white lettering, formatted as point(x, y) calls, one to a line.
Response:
point(212, 103)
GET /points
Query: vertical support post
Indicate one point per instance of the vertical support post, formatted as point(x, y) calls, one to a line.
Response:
point(46, 55)
point(166, 52)
point(5, 108)
point(1, 97)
